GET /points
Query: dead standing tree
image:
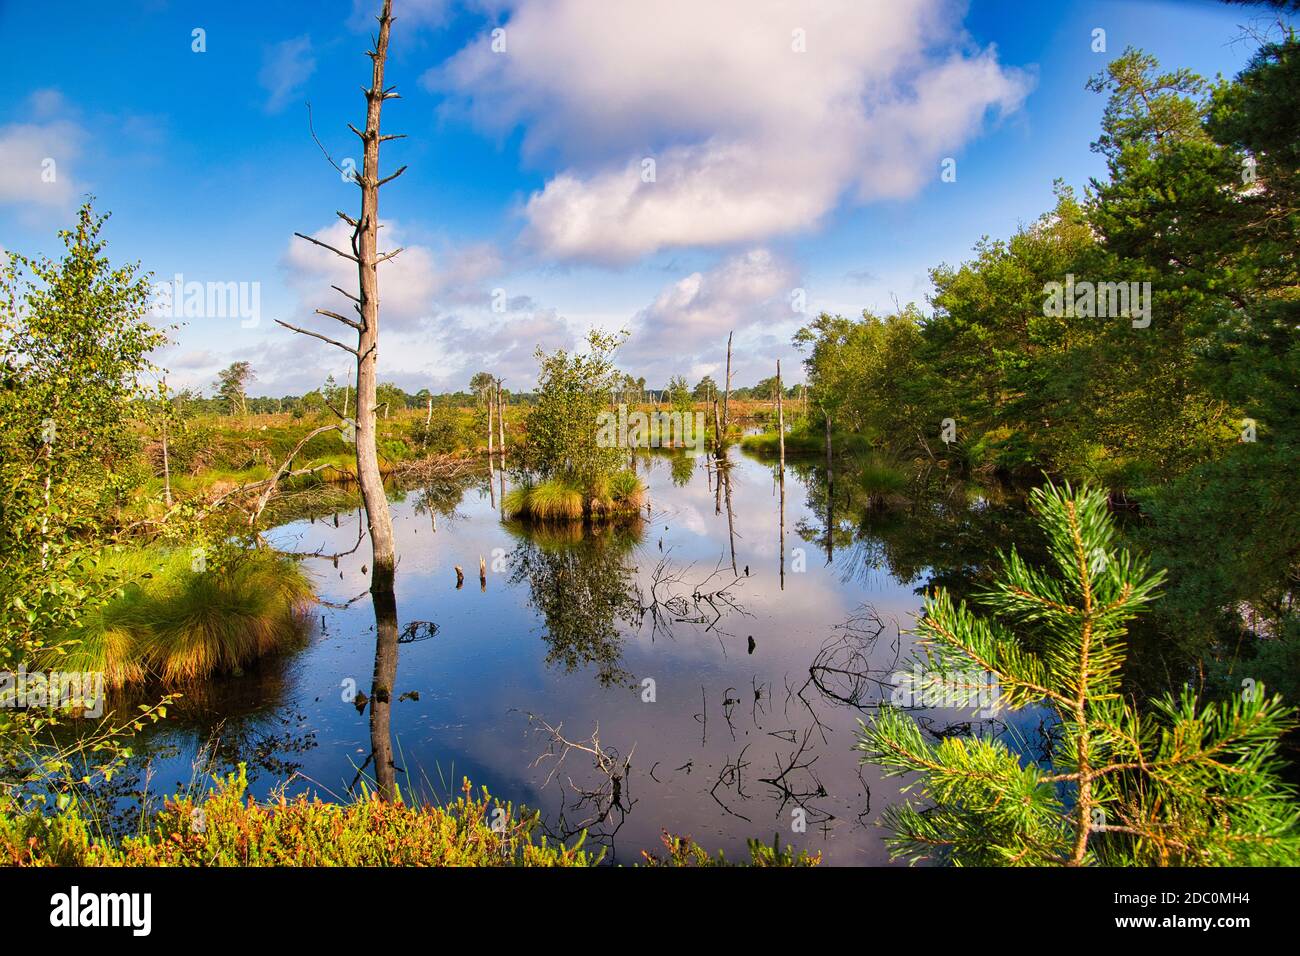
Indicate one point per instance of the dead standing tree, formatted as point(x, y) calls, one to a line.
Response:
point(365, 254)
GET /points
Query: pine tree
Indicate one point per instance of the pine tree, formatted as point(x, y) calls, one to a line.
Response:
point(1180, 783)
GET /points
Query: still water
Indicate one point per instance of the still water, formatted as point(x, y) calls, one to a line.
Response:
point(713, 659)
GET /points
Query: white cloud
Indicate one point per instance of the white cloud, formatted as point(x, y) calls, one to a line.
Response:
point(506, 344)
point(37, 158)
point(435, 312)
point(690, 319)
point(750, 138)
point(286, 68)
point(412, 286)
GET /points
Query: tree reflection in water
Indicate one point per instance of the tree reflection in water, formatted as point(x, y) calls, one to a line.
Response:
point(580, 581)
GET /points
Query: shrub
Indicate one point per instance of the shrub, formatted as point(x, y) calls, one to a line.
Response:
point(225, 829)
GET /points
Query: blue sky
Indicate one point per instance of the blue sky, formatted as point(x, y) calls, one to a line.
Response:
point(797, 149)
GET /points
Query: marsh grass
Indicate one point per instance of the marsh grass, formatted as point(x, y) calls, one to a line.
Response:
point(176, 625)
point(555, 500)
point(884, 481)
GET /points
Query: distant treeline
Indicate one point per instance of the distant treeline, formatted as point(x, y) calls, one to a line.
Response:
point(229, 396)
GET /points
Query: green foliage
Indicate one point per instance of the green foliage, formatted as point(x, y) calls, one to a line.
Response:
point(74, 370)
point(231, 387)
point(573, 390)
point(706, 389)
point(545, 501)
point(581, 585)
point(801, 442)
point(1192, 416)
point(883, 480)
point(867, 377)
point(679, 395)
point(1180, 782)
point(224, 827)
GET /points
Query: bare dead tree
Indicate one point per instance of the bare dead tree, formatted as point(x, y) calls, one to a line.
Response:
point(364, 252)
point(726, 398)
point(501, 421)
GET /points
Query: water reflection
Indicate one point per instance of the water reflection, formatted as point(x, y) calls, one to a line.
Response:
point(760, 661)
point(381, 693)
point(580, 581)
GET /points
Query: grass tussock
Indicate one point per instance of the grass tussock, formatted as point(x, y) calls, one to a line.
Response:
point(620, 495)
point(175, 624)
point(884, 481)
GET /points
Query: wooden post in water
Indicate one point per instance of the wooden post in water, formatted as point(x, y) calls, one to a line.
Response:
point(724, 475)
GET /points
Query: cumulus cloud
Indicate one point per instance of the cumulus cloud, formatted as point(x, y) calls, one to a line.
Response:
point(688, 322)
point(505, 343)
point(760, 115)
point(436, 308)
point(286, 68)
point(412, 286)
point(40, 154)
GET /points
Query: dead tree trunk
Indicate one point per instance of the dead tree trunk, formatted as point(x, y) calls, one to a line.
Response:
point(365, 253)
point(780, 416)
point(726, 398)
point(717, 430)
point(501, 422)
